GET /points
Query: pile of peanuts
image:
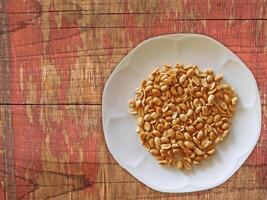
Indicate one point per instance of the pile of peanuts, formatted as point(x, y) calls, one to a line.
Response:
point(182, 113)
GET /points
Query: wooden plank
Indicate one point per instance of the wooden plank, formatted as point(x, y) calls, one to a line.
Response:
point(54, 151)
point(60, 151)
point(7, 179)
point(70, 66)
point(4, 64)
point(183, 9)
point(7, 170)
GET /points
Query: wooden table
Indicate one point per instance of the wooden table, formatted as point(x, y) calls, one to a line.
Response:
point(55, 57)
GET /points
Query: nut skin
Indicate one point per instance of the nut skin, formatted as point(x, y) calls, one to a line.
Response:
point(182, 114)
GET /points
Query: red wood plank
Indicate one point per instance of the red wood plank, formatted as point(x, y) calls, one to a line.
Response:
point(183, 9)
point(7, 177)
point(20, 33)
point(60, 151)
point(57, 57)
point(54, 151)
point(78, 75)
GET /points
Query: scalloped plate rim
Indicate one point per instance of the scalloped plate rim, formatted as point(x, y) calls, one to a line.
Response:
point(238, 162)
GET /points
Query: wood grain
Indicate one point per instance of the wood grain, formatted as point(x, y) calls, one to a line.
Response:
point(55, 57)
point(65, 57)
point(8, 186)
point(60, 151)
point(56, 150)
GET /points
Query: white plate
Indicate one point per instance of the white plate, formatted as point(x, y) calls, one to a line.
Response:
point(119, 126)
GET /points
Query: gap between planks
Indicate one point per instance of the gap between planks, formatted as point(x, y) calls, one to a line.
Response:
point(64, 104)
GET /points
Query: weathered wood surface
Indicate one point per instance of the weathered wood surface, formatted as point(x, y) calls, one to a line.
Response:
point(56, 54)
